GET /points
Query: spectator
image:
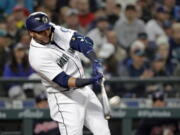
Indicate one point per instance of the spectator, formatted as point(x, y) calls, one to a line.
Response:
point(150, 47)
point(159, 69)
point(135, 66)
point(18, 65)
point(158, 98)
point(99, 12)
point(73, 4)
point(85, 16)
point(4, 52)
point(124, 3)
point(98, 34)
point(127, 29)
point(11, 28)
point(44, 127)
point(167, 27)
point(158, 126)
point(143, 37)
point(24, 39)
point(113, 57)
point(62, 14)
point(94, 4)
point(41, 8)
point(19, 14)
point(172, 8)
point(120, 53)
point(176, 73)
point(50, 5)
point(177, 15)
point(163, 48)
point(72, 20)
point(154, 26)
point(51, 8)
point(145, 9)
point(113, 11)
point(174, 42)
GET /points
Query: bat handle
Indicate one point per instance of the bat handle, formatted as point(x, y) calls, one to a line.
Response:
point(102, 81)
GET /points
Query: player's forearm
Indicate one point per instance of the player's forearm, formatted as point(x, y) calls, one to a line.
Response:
point(92, 56)
point(83, 44)
point(79, 82)
point(67, 81)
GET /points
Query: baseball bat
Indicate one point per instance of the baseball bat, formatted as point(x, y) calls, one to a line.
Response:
point(105, 101)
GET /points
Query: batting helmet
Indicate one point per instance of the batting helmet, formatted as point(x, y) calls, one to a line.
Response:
point(37, 21)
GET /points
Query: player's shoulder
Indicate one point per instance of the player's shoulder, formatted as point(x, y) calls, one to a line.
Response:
point(38, 49)
point(37, 57)
point(38, 52)
point(62, 30)
point(63, 33)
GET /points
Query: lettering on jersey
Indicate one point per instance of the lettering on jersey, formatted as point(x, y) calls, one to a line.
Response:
point(71, 51)
point(62, 60)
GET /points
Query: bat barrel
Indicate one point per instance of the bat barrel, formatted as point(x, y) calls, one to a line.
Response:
point(105, 101)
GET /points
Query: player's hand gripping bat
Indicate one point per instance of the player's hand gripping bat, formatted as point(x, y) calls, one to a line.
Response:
point(105, 101)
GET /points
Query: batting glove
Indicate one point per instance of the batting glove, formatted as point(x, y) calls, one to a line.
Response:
point(97, 67)
point(97, 79)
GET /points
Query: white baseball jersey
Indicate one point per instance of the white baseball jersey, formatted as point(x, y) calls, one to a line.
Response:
point(71, 109)
point(51, 59)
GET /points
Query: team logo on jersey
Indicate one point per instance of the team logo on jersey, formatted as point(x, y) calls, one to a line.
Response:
point(64, 29)
point(62, 60)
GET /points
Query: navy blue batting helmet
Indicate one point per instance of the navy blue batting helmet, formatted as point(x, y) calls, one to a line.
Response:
point(37, 21)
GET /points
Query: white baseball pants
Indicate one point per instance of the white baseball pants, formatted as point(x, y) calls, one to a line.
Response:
point(76, 108)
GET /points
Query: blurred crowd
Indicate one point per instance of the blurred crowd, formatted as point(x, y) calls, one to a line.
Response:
point(134, 38)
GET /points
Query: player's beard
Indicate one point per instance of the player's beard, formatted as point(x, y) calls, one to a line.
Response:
point(44, 37)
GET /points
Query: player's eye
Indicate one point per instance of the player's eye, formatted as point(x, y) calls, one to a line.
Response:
point(40, 32)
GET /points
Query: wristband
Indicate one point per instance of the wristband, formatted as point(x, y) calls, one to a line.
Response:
point(83, 82)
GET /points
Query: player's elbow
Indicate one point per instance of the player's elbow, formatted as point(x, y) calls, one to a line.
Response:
point(62, 80)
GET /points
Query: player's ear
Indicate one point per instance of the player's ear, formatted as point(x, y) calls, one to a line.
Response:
point(31, 33)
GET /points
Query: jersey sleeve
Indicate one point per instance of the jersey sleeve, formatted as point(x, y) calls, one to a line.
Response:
point(46, 66)
point(63, 36)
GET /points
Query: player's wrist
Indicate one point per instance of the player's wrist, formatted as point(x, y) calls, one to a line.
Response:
point(83, 82)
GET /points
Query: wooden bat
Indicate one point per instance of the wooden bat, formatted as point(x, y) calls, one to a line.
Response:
point(105, 101)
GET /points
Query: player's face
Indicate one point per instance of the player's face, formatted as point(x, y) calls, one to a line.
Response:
point(42, 36)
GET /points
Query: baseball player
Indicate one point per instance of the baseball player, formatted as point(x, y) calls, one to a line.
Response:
point(53, 55)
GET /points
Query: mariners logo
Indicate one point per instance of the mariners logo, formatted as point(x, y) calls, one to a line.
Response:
point(44, 19)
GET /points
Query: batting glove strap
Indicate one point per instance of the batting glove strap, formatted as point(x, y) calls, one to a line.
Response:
point(83, 82)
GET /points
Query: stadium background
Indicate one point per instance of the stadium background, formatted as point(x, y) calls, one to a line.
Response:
point(138, 42)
